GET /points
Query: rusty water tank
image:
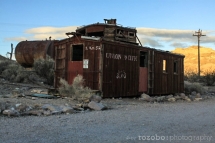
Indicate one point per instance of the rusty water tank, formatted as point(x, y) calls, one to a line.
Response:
point(27, 51)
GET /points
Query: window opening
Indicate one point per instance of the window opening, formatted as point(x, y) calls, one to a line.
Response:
point(164, 65)
point(143, 59)
point(175, 66)
point(77, 53)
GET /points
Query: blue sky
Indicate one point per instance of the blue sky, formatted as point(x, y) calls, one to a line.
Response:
point(161, 24)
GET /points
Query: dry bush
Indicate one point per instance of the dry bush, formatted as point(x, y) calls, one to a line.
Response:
point(77, 90)
point(15, 73)
point(33, 77)
point(190, 87)
point(191, 76)
point(45, 69)
point(3, 65)
point(65, 89)
point(209, 77)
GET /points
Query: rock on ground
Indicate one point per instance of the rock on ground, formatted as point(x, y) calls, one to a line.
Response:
point(11, 113)
point(172, 99)
point(145, 97)
point(95, 98)
point(96, 106)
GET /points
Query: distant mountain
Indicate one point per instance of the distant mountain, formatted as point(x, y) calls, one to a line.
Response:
point(207, 58)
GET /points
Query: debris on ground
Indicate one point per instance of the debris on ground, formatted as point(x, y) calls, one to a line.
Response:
point(34, 97)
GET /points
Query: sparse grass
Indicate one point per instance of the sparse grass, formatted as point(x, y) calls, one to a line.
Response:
point(77, 90)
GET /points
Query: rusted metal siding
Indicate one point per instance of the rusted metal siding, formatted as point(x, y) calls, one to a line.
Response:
point(169, 81)
point(120, 70)
point(27, 51)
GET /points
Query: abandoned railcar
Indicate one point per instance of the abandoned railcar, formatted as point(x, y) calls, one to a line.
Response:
point(111, 61)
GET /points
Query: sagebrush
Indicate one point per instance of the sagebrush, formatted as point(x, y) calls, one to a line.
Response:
point(209, 77)
point(190, 87)
point(76, 90)
point(15, 73)
point(3, 65)
point(191, 77)
point(45, 69)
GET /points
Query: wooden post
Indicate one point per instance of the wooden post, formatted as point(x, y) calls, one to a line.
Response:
point(11, 54)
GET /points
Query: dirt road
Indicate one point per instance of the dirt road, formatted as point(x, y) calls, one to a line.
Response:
point(129, 121)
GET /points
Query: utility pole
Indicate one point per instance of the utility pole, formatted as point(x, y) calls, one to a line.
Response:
point(198, 34)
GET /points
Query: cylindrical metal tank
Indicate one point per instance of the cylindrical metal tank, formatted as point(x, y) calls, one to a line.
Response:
point(27, 51)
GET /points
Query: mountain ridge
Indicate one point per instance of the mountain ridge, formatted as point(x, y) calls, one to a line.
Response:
point(207, 59)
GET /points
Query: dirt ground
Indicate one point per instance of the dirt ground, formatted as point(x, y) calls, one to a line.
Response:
point(129, 120)
point(125, 121)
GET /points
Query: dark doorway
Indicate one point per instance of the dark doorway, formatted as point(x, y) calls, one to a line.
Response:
point(77, 53)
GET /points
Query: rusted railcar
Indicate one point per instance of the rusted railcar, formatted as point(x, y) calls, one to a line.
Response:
point(111, 61)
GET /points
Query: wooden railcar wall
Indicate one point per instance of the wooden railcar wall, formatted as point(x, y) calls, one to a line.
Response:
point(92, 74)
point(91, 51)
point(168, 82)
point(114, 68)
point(120, 70)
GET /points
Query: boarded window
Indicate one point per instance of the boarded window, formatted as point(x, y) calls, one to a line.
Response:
point(175, 67)
point(131, 34)
point(164, 65)
point(120, 33)
point(77, 53)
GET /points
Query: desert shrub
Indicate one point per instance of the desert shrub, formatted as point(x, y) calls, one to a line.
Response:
point(209, 78)
point(45, 69)
point(191, 77)
point(15, 73)
point(190, 87)
point(65, 89)
point(33, 77)
point(3, 65)
point(77, 90)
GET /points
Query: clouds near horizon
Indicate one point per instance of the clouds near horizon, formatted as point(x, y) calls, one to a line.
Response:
point(42, 33)
point(151, 37)
point(174, 38)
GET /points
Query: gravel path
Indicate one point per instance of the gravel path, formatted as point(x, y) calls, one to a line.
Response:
point(127, 121)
